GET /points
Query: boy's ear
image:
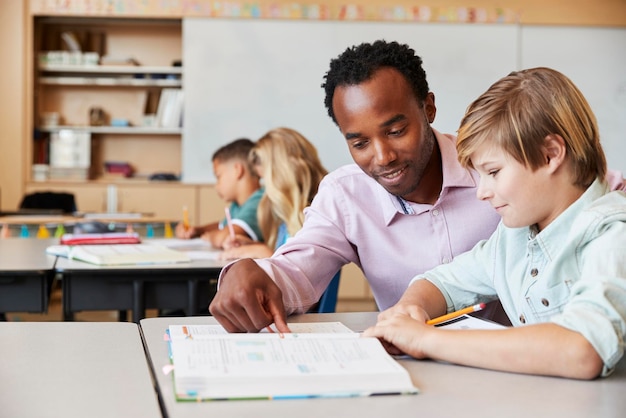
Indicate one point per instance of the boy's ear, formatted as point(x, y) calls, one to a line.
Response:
point(554, 151)
point(239, 170)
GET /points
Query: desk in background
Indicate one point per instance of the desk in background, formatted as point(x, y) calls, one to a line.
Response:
point(445, 390)
point(74, 370)
point(188, 286)
point(26, 275)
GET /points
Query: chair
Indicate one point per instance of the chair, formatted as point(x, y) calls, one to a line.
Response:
point(50, 201)
point(328, 301)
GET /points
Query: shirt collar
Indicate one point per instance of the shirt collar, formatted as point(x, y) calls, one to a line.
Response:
point(453, 176)
point(552, 237)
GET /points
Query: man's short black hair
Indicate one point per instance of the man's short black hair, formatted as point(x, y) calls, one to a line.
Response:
point(358, 63)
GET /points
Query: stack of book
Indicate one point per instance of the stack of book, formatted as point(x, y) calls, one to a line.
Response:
point(70, 154)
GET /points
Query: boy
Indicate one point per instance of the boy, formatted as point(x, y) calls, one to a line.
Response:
point(238, 184)
point(557, 261)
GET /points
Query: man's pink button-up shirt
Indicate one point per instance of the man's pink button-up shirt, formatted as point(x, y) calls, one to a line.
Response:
point(354, 219)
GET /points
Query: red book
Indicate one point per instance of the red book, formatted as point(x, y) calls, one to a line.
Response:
point(107, 238)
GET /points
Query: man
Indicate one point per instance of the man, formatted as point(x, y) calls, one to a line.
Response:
point(405, 207)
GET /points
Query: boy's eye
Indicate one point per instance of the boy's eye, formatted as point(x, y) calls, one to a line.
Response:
point(493, 172)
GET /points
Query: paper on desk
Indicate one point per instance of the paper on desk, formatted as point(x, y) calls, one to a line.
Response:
point(203, 330)
point(195, 249)
point(58, 250)
point(469, 322)
point(119, 254)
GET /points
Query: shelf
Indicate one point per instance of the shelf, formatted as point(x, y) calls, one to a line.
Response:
point(109, 69)
point(130, 130)
point(139, 181)
point(77, 91)
point(109, 81)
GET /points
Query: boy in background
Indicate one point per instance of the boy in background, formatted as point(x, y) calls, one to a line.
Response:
point(237, 184)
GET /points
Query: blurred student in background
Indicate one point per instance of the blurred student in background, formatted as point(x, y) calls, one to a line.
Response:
point(291, 171)
point(238, 184)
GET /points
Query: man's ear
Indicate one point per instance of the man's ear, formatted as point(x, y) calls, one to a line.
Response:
point(429, 107)
point(554, 151)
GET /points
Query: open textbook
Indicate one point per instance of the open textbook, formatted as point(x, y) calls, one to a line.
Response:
point(119, 254)
point(210, 364)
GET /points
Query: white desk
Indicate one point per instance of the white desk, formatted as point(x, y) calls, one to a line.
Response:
point(26, 274)
point(74, 370)
point(445, 390)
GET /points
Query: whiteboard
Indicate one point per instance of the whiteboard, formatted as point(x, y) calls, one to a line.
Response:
point(595, 60)
point(245, 77)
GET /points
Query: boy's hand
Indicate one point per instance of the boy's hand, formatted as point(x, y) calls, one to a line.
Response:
point(248, 300)
point(401, 334)
point(185, 233)
point(400, 308)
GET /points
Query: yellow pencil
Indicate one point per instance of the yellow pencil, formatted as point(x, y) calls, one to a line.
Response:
point(452, 315)
point(185, 218)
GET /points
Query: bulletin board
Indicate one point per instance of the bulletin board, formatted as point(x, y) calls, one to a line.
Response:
point(245, 77)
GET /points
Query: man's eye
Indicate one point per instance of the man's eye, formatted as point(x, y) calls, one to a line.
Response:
point(396, 132)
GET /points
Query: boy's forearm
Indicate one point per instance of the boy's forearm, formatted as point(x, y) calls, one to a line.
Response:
point(543, 349)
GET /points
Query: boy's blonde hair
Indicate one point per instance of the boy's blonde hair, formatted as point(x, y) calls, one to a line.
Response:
point(520, 110)
point(291, 171)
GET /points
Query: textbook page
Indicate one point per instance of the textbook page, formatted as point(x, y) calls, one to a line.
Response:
point(204, 330)
point(284, 366)
point(120, 254)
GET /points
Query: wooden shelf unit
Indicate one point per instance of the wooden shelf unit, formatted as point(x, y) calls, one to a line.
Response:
point(124, 92)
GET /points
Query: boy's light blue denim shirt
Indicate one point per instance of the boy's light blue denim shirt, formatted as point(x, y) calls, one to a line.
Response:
point(572, 273)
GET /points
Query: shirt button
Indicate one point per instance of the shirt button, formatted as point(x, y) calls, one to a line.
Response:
point(445, 260)
point(534, 272)
point(545, 302)
point(522, 319)
point(435, 212)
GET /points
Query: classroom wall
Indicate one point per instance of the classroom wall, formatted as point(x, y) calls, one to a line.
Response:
point(252, 75)
point(13, 50)
point(12, 110)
